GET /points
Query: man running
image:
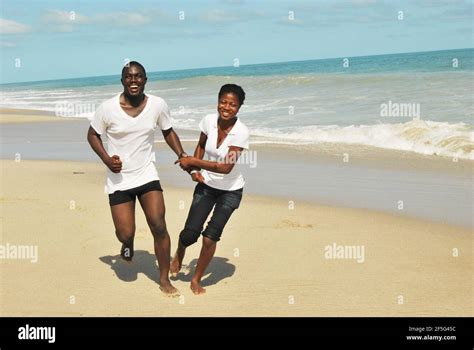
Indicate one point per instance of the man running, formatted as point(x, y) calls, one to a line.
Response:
point(129, 120)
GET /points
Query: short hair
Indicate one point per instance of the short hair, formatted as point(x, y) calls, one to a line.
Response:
point(234, 89)
point(133, 63)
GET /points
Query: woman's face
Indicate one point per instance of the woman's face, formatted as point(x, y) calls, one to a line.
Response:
point(228, 106)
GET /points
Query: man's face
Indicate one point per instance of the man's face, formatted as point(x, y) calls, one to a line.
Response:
point(133, 81)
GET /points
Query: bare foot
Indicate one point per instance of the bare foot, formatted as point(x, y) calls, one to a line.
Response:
point(175, 266)
point(196, 288)
point(167, 288)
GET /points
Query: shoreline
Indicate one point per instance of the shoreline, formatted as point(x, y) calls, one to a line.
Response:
point(100, 172)
point(403, 258)
point(434, 188)
point(177, 180)
point(345, 152)
point(19, 116)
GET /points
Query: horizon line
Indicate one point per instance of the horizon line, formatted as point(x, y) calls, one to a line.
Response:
point(243, 65)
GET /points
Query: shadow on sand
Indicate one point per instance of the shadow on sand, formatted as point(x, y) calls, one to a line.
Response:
point(144, 262)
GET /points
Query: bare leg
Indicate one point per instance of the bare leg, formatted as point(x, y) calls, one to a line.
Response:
point(154, 208)
point(177, 261)
point(207, 252)
point(124, 221)
point(200, 209)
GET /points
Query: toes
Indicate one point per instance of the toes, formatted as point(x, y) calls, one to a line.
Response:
point(170, 291)
point(198, 290)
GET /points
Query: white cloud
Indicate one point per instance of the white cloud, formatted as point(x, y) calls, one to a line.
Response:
point(64, 28)
point(64, 21)
point(12, 27)
point(291, 22)
point(458, 14)
point(58, 17)
point(122, 19)
point(6, 44)
point(363, 2)
point(218, 16)
point(337, 13)
point(439, 3)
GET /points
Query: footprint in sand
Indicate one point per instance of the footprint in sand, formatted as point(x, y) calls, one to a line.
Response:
point(292, 224)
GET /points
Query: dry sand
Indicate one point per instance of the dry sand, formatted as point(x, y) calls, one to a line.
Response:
point(270, 262)
point(14, 116)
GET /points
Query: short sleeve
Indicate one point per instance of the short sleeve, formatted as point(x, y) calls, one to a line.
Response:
point(164, 118)
point(241, 139)
point(204, 125)
point(99, 123)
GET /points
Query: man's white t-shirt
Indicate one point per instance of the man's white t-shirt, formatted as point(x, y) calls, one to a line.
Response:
point(132, 139)
point(239, 137)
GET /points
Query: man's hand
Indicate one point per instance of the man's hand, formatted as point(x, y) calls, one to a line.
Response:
point(114, 164)
point(197, 176)
point(185, 162)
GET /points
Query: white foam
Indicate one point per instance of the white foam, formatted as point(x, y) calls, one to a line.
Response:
point(420, 136)
point(304, 105)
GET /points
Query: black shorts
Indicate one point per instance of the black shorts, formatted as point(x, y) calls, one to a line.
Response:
point(119, 197)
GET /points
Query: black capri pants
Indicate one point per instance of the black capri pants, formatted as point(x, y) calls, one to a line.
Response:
point(204, 199)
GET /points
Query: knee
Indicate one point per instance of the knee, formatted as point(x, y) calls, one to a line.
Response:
point(215, 227)
point(189, 236)
point(125, 235)
point(158, 228)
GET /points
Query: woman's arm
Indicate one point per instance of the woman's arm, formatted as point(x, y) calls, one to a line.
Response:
point(224, 167)
point(199, 154)
point(201, 146)
point(199, 151)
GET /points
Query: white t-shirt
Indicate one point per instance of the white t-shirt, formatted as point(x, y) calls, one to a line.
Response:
point(132, 139)
point(239, 137)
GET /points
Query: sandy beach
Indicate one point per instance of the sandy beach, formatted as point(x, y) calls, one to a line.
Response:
point(353, 127)
point(275, 258)
point(17, 116)
point(280, 255)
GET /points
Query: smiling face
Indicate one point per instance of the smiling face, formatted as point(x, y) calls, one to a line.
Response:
point(228, 106)
point(133, 81)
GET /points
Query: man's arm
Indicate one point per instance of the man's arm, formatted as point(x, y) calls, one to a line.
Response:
point(113, 163)
point(173, 141)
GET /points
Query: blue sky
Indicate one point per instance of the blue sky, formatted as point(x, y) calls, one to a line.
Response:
point(67, 39)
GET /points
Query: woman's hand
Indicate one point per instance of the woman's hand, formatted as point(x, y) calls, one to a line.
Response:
point(185, 163)
point(197, 177)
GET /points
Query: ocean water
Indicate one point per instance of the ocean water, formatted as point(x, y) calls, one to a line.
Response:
point(416, 102)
